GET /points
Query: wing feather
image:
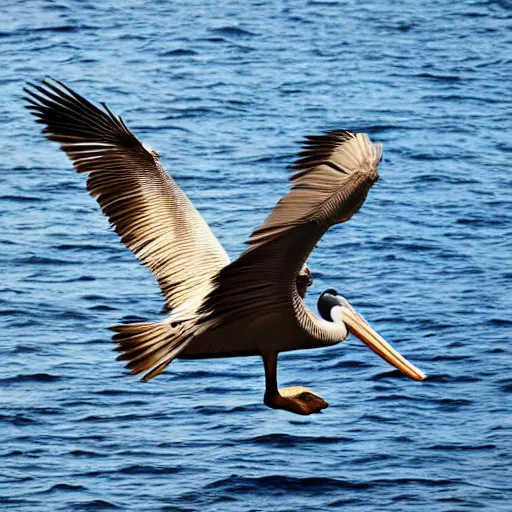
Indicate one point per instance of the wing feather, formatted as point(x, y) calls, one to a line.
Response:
point(148, 210)
point(330, 182)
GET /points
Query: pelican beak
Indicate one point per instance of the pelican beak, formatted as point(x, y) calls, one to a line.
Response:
point(358, 326)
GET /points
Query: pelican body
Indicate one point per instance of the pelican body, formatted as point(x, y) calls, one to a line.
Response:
point(251, 306)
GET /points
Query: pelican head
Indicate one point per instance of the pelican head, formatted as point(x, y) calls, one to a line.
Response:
point(335, 308)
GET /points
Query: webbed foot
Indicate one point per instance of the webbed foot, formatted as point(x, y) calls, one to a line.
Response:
point(296, 399)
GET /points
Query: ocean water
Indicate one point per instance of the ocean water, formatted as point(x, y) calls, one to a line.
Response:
point(224, 91)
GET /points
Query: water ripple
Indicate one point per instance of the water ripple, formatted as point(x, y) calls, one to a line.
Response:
point(223, 91)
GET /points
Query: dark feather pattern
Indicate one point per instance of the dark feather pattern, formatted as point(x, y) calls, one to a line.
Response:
point(147, 209)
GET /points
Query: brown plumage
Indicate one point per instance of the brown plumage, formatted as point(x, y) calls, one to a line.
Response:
point(150, 213)
point(252, 306)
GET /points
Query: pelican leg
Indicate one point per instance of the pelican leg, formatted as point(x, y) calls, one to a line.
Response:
point(294, 399)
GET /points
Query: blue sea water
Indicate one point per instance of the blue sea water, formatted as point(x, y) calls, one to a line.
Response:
point(224, 91)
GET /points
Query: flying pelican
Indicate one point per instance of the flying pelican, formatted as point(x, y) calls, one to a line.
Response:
point(252, 306)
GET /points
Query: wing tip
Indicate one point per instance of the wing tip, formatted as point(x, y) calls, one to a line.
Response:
point(318, 149)
point(65, 113)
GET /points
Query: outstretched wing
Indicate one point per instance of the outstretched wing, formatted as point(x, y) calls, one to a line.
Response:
point(150, 213)
point(329, 184)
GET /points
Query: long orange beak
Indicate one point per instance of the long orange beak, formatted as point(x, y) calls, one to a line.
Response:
point(357, 325)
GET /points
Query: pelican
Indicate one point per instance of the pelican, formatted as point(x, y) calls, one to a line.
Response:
point(252, 306)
